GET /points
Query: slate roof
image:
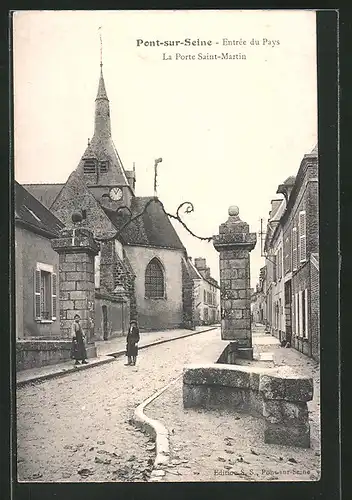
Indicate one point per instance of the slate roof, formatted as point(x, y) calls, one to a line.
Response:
point(45, 193)
point(153, 228)
point(29, 211)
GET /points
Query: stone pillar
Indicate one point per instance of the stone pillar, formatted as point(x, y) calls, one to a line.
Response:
point(234, 242)
point(77, 248)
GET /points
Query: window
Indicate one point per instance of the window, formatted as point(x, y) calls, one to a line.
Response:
point(104, 167)
point(89, 167)
point(296, 314)
point(302, 236)
point(154, 280)
point(279, 263)
point(205, 297)
point(305, 313)
point(45, 293)
point(274, 257)
point(294, 249)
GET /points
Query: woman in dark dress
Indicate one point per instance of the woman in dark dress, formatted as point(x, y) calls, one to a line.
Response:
point(132, 341)
point(78, 351)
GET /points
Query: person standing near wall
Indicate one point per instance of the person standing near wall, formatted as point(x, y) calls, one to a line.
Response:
point(78, 350)
point(132, 341)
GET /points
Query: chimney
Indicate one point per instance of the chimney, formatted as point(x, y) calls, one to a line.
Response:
point(200, 263)
point(131, 178)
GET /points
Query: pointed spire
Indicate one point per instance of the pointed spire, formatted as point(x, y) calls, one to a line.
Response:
point(101, 87)
point(102, 110)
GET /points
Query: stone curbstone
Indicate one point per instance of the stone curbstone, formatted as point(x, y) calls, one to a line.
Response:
point(286, 389)
point(217, 376)
point(281, 400)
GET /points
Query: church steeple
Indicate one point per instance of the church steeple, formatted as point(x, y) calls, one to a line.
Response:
point(100, 166)
point(102, 125)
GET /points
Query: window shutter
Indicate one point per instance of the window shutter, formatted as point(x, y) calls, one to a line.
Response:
point(302, 236)
point(306, 314)
point(294, 249)
point(37, 301)
point(53, 296)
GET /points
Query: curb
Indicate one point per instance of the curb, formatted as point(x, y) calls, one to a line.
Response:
point(64, 371)
point(101, 360)
point(163, 341)
point(156, 430)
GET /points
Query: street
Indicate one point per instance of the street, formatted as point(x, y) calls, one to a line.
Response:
point(76, 428)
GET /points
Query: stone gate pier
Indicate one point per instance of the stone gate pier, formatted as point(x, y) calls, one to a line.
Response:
point(234, 242)
point(77, 248)
point(275, 394)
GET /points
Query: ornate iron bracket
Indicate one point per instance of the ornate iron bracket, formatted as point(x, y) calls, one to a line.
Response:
point(189, 209)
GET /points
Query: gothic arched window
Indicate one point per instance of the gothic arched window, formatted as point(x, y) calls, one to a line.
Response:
point(154, 280)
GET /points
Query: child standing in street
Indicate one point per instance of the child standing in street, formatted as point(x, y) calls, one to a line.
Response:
point(132, 341)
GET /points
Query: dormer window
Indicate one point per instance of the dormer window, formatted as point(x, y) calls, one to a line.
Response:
point(104, 167)
point(89, 167)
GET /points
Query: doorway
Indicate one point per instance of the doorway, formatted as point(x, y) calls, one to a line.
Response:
point(288, 310)
point(105, 322)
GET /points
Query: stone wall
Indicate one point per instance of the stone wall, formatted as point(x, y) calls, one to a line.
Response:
point(273, 394)
point(166, 312)
point(35, 353)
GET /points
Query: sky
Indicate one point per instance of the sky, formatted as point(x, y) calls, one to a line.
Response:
point(229, 131)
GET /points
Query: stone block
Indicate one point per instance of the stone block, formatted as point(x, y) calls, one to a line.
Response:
point(243, 294)
point(238, 263)
point(238, 313)
point(194, 396)
point(216, 376)
point(64, 295)
point(67, 266)
point(245, 352)
point(241, 324)
point(254, 380)
point(287, 435)
point(78, 295)
point(228, 332)
point(76, 276)
point(229, 295)
point(72, 313)
point(67, 285)
point(225, 274)
point(84, 285)
point(282, 411)
point(67, 304)
point(286, 389)
point(84, 266)
point(239, 284)
point(241, 273)
point(79, 304)
point(78, 257)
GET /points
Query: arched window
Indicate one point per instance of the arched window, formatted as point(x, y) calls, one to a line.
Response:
point(154, 280)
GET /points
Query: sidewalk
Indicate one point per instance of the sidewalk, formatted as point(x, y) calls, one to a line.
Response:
point(221, 445)
point(107, 351)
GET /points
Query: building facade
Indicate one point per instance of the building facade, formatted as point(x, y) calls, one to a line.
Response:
point(206, 293)
point(291, 285)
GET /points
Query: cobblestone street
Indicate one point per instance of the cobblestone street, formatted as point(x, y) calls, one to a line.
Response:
point(77, 428)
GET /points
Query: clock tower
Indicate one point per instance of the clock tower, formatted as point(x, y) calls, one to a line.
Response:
point(100, 165)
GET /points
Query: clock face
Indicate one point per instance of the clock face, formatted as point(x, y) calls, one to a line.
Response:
point(115, 193)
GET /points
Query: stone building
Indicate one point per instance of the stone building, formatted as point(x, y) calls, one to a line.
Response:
point(36, 281)
point(140, 266)
point(292, 260)
point(206, 293)
point(258, 299)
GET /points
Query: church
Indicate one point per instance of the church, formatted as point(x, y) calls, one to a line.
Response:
point(141, 269)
